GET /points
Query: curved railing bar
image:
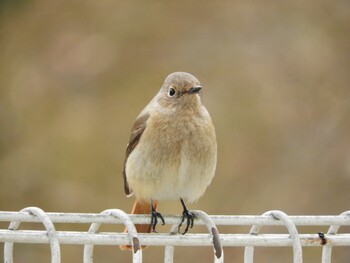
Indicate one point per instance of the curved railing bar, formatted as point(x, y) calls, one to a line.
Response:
point(132, 234)
point(51, 233)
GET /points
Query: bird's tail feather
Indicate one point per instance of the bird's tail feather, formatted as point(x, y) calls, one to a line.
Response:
point(140, 208)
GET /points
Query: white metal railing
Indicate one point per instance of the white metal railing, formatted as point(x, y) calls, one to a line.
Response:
point(213, 238)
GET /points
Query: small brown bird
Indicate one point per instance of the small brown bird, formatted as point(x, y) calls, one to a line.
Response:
point(172, 150)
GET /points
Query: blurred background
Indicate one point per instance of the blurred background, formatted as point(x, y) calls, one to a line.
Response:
point(75, 74)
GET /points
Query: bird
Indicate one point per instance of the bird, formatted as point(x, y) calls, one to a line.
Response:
point(172, 151)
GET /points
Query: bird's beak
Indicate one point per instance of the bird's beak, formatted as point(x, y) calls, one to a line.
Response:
point(194, 90)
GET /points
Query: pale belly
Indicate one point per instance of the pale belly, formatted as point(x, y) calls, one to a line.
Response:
point(159, 170)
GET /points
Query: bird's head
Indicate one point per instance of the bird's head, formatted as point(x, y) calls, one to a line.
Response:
point(180, 89)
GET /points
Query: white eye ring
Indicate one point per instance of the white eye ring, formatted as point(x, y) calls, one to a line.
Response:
point(171, 92)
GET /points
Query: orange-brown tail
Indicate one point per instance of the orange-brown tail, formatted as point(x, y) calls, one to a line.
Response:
point(140, 208)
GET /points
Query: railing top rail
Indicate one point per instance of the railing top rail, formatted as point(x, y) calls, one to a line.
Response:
point(228, 220)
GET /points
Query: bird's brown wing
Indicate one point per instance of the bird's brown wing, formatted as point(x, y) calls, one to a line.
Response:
point(136, 132)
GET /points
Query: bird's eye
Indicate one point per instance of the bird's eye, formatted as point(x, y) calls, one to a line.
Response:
point(171, 92)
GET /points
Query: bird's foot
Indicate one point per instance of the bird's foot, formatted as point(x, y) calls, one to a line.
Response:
point(188, 216)
point(154, 219)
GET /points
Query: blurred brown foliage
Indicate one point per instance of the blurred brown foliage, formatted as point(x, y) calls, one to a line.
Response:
point(75, 74)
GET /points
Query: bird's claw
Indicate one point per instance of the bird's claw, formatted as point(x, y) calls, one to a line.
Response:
point(190, 219)
point(154, 219)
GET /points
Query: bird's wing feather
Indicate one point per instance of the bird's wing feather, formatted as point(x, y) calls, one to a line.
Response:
point(136, 132)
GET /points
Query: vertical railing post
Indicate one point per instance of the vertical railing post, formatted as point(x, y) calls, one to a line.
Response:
point(169, 250)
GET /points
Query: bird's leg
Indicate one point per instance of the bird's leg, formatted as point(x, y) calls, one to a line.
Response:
point(154, 218)
point(188, 215)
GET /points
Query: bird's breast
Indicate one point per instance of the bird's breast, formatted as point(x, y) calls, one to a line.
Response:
point(176, 157)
